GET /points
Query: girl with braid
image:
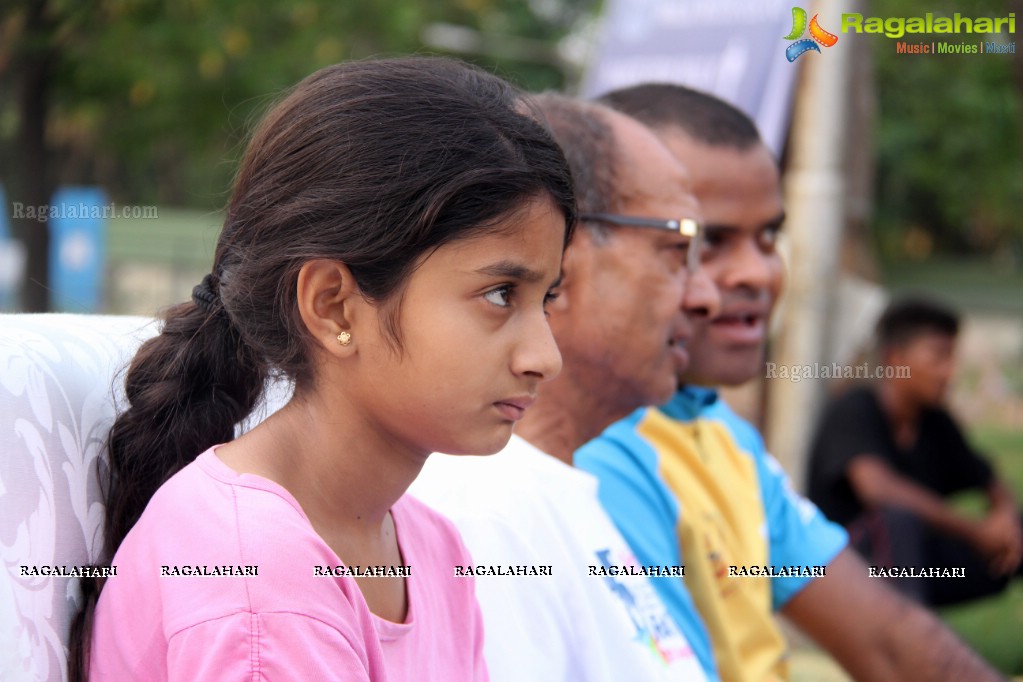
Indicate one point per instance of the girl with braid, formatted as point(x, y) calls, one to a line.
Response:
point(395, 231)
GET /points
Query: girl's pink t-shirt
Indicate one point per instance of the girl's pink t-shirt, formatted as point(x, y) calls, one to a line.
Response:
point(224, 578)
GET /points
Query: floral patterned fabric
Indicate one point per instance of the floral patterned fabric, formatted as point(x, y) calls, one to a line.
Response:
point(61, 378)
point(57, 398)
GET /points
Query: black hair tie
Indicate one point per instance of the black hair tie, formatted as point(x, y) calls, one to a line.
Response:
point(204, 297)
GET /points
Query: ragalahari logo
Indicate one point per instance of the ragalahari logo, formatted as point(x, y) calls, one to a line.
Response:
point(817, 35)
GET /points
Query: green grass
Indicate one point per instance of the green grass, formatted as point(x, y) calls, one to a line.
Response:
point(993, 626)
point(969, 284)
point(1005, 448)
point(177, 237)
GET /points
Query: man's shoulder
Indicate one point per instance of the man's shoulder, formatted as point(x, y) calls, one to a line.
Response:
point(520, 490)
point(940, 417)
point(469, 476)
point(705, 405)
point(621, 445)
point(858, 399)
point(745, 434)
point(649, 434)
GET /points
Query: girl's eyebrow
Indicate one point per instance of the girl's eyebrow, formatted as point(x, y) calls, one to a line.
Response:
point(511, 269)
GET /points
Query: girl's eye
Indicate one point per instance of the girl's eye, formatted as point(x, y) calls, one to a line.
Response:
point(549, 297)
point(499, 296)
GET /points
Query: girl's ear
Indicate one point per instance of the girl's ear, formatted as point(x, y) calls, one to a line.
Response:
point(328, 299)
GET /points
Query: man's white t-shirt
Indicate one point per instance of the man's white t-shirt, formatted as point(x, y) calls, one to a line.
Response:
point(594, 616)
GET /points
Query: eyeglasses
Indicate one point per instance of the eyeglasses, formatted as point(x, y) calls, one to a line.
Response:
point(687, 227)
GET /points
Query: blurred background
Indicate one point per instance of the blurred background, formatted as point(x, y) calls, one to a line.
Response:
point(903, 172)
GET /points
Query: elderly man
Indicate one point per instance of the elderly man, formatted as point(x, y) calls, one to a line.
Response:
point(691, 482)
point(561, 594)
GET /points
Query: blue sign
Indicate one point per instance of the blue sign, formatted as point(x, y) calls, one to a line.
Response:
point(5, 231)
point(77, 218)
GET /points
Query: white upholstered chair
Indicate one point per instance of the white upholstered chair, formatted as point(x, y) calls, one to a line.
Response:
point(61, 380)
point(58, 376)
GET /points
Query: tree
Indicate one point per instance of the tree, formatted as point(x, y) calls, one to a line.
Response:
point(949, 141)
point(151, 99)
point(29, 68)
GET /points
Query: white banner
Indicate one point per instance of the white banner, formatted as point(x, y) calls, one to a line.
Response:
point(734, 49)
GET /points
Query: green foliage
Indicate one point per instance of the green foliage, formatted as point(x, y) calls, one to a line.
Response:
point(948, 142)
point(970, 283)
point(153, 98)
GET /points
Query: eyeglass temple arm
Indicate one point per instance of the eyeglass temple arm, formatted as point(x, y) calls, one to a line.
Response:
point(687, 226)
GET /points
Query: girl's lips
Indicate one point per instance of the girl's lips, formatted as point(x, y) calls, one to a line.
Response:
point(514, 408)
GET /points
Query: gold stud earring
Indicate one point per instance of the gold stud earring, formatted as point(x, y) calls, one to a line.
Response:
point(344, 338)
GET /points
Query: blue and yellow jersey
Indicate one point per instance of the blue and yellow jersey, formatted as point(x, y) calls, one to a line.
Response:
point(691, 483)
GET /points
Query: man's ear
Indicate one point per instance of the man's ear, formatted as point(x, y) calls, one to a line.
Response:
point(574, 264)
point(328, 302)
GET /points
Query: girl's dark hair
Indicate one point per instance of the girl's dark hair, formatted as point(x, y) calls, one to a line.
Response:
point(372, 163)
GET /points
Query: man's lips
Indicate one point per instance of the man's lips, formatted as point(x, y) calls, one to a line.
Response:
point(759, 307)
point(740, 326)
point(514, 408)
